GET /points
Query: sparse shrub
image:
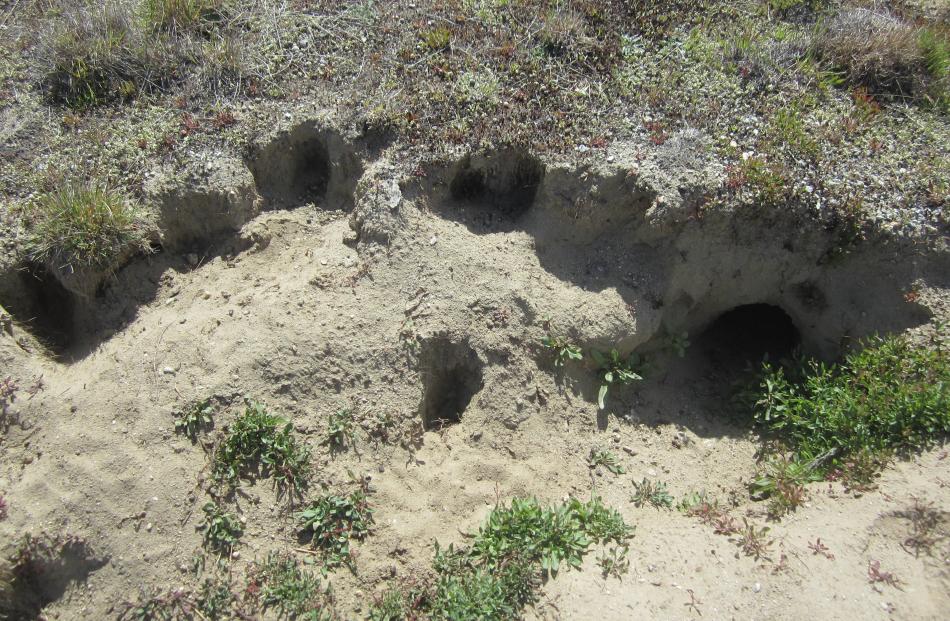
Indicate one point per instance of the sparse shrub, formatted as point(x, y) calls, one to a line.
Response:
point(615, 369)
point(85, 226)
point(294, 593)
point(260, 440)
point(646, 492)
point(222, 529)
point(194, 418)
point(332, 521)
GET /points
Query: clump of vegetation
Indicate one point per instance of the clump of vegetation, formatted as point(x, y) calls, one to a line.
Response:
point(340, 429)
point(194, 418)
point(562, 349)
point(892, 395)
point(222, 529)
point(782, 482)
point(605, 458)
point(333, 521)
point(613, 562)
point(753, 541)
point(85, 227)
point(678, 343)
point(176, 15)
point(213, 600)
point(655, 494)
point(880, 51)
point(615, 369)
point(501, 571)
point(260, 440)
point(281, 584)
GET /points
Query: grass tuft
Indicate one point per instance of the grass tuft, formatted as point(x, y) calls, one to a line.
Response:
point(85, 226)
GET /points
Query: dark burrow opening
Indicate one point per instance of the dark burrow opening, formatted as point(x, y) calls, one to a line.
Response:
point(504, 185)
point(451, 376)
point(46, 309)
point(746, 335)
point(302, 177)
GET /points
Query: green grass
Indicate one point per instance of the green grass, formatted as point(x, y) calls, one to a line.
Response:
point(502, 569)
point(262, 443)
point(891, 396)
point(84, 226)
point(333, 521)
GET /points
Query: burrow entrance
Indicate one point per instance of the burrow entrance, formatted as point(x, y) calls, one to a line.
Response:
point(307, 164)
point(507, 182)
point(39, 302)
point(747, 335)
point(451, 376)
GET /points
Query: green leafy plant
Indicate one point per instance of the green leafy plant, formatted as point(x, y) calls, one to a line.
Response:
point(501, 571)
point(294, 593)
point(615, 369)
point(678, 342)
point(193, 418)
point(605, 458)
point(781, 481)
point(562, 349)
point(753, 541)
point(79, 226)
point(436, 39)
point(613, 562)
point(260, 440)
point(646, 492)
point(892, 395)
point(340, 429)
point(332, 521)
point(222, 529)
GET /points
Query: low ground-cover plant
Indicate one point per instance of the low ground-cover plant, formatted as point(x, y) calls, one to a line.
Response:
point(84, 226)
point(500, 572)
point(562, 350)
point(655, 494)
point(194, 418)
point(605, 458)
point(222, 529)
point(282, 585)
point(845, 419)
point(260, 442)
point(333, 521)
point(615, 369)
point(340, 429)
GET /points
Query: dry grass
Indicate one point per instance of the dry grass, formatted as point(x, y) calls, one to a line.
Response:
point(886, 54)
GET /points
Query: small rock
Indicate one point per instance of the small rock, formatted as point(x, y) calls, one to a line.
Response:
point(756, 587)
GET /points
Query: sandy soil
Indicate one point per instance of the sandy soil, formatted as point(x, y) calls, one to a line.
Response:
point(309, 324)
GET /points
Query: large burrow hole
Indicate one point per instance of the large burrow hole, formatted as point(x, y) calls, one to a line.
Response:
point(305, 165)
point(503, 184)
point(44, 307)
point(451, 376)
point(746, 335)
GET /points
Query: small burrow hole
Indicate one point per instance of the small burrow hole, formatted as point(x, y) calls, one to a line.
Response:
point(747, 335)
point(451, 376)
point(506, 183)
